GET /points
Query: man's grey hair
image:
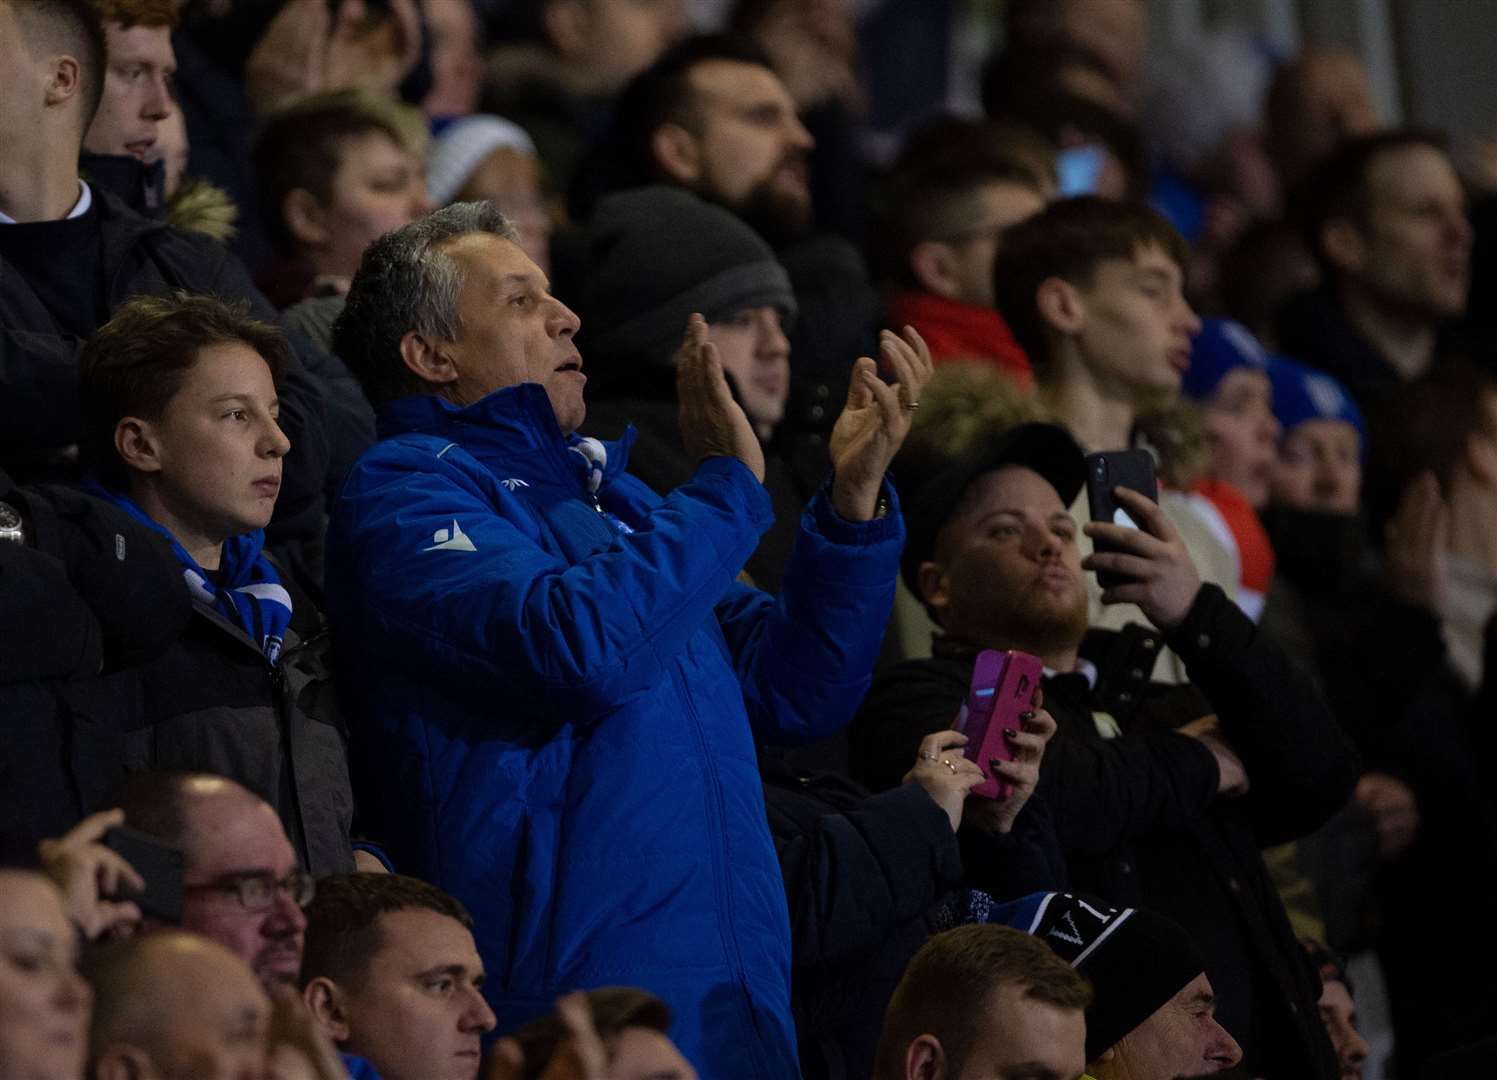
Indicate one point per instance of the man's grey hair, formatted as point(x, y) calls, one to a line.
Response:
point(407, 282)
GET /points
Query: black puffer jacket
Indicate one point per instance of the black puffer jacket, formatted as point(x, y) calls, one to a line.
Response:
point(864, 874)
point(1140, 822)
point(84, 603)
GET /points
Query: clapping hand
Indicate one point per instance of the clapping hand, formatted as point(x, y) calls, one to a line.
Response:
point(875, 421)
point(712, 423)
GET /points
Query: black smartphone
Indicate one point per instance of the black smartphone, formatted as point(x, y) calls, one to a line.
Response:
point(1132, 469)
point(159, 864)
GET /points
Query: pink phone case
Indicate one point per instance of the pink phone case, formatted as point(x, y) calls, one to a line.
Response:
point(1002, 688)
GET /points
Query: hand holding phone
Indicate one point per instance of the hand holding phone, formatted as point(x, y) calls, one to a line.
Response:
point(1002, 691)
point(1146, 564)
point(158, 864)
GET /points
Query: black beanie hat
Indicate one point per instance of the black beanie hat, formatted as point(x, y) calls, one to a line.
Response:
point(1135, 960)
point(657, 254)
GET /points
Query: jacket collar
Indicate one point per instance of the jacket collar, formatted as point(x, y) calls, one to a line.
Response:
point(513, 422)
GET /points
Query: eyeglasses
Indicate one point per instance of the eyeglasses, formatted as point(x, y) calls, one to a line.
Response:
point(256, 890)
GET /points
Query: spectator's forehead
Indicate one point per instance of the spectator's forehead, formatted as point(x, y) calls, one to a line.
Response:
point(235, 832)
point(735, 84)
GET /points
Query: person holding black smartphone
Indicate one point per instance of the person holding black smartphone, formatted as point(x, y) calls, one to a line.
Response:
point(1164, 807)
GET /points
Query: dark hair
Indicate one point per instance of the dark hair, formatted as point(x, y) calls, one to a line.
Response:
point(407, 282)
point(614, 1009)
point(75, 26)
point(948, 982)
point(137, 361)
point(1427, 426)
point(1068, 239)
point(1339, 189)
point(926, 194)
point(302, 146)
point(658, 95)
point(343, 927)
point(130, 13)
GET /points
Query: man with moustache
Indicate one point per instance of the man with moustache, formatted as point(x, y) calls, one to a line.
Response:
point(1169, 810)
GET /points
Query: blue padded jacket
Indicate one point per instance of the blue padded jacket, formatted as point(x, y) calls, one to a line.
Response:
point(554, 699)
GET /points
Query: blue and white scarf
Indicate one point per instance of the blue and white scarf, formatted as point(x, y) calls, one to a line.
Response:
point(592, 462)
point(250, 592)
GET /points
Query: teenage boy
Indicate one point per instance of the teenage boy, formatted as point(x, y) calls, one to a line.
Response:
point(180, 410)
point(1094, 292)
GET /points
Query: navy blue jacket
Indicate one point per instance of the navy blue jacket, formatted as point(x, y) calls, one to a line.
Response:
point(557, 698)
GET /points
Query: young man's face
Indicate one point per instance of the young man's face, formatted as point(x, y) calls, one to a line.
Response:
point(234, 835)
point(1007, 566)
point(513, 330)
point(749, 147)
point(1181, 1038)
point(1415, 250)
point(418, 1013)
point(216, 470)
point(1021, 1038)
point(994, 207)
point(1244, 433)
point(378, 188)
point(1319, 468)
point(1135, 327)
point(137, 91)
point(754, 350)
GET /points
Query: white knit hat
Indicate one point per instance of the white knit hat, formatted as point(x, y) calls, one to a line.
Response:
point(463, 146)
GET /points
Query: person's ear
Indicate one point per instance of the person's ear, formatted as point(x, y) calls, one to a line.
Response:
point(935, 592)
point(121, 1061)
point(305, 219)
point(1344, 245)
point(426, 359)
point(677, 152)
point(1060, 305)
point(66, 80)
point(324, 1001)
point(138, 444)
point(925, 1059)
point(566, 25)
point(934, 268)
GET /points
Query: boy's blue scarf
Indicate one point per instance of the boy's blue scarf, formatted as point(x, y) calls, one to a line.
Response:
point(249, 591)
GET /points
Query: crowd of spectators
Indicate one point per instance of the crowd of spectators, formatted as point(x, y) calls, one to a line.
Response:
point(505, 506)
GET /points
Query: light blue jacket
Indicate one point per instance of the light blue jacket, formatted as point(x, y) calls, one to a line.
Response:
point(554, 701)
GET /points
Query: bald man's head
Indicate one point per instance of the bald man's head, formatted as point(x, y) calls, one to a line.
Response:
point(173, 1004)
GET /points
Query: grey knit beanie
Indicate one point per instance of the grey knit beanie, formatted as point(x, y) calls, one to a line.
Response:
point(657, 254)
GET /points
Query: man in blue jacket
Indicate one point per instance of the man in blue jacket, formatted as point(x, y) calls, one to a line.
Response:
point(555, 678)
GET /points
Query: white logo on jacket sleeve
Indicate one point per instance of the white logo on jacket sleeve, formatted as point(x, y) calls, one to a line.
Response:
point(514, 483)
point(453, 539)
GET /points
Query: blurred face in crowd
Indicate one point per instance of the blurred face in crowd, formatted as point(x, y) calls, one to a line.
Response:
point(742, 145)
point(960, 267)
point(456, 63)
point(138, 92)
point(1181, 1038)
point(1331, 104)
point(605, 43)
point(235, 836)
point(1244, 434)
point(418, 1012)
point(754, 350)
point(1007, 571)
point(513, 330)
point(206, 1017)
point(1413, 253)
point(642, 1053)
point(1130, 325)
point(44, 1002)
point(511, 180)
point(1319, 468)
point(209, 468)
point(1022, 1038)
point(1339, 1014)
point(378, 187)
